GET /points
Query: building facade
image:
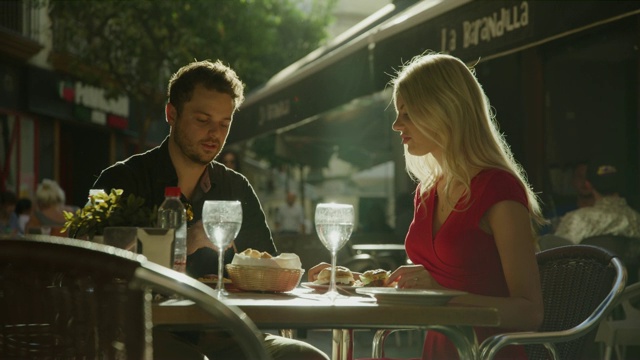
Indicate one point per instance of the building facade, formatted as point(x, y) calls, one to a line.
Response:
point(53, 125)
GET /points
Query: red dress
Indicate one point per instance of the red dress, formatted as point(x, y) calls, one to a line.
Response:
point(461, 256)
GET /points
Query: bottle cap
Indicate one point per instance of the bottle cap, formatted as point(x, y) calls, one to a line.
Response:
point(172, 191)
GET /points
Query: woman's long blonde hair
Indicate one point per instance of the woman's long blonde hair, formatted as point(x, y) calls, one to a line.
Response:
point(446, 103)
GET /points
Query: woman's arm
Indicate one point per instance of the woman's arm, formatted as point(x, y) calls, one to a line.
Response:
point(510, 224)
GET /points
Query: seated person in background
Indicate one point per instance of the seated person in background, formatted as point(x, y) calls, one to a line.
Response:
point(584, 195)
point(473, 208)
point(290, 216)
point(609, 215)
point(203, 97)
point(8, 218)
point(230, 159)
point(49, 209)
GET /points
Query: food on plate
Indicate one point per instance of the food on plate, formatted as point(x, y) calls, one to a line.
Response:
point(252, 257)
point(213, 279)
point(344, 276)
point(374, 278)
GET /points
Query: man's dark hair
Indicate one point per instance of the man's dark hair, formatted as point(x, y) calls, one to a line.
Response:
point(23, 206)
point(212, 75)
point(606, 177)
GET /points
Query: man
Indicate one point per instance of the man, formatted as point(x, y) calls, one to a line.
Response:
point(609, 215)
point(203, 97)
point(290, 217)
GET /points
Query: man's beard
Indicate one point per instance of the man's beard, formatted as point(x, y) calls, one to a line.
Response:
point(190, 150)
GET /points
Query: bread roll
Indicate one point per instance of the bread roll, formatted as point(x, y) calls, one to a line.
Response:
point(252, 253)
point(252, 257)
point(374, 278)
point(344, 276)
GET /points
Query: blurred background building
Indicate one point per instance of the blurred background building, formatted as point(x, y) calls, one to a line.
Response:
point(562, 77)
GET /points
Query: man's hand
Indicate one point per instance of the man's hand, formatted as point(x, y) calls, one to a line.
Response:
point(197, 238)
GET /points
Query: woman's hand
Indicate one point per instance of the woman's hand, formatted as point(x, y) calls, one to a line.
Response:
point(312, 275)
point(412, 276)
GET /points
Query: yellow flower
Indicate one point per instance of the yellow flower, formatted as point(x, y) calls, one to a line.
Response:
point(189, 210)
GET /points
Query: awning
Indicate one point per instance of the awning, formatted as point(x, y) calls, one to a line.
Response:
point(327, 78)
point(312, 106)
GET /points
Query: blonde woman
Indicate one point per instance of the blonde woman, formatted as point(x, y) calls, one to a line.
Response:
point(474, 212)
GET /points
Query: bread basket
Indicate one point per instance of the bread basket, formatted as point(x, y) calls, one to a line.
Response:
point(263, 278)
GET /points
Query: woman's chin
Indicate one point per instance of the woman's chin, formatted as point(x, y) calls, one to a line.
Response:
point(415, 152)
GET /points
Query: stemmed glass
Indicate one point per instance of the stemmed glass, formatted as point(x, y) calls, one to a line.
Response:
point(334, 224)
point(222, 221)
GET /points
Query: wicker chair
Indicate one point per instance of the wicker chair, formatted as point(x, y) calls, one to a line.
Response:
point(62, 298)
point(580, 285)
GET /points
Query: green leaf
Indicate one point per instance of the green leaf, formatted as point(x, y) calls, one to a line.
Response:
point(109, 210)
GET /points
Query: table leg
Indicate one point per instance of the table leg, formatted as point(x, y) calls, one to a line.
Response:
point(463, 338)
point(342, 347)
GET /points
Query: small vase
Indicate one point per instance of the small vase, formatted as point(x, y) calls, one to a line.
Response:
point(157, 245)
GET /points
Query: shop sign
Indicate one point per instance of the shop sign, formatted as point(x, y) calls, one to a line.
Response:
point(274, 110)
point(92, 104)
point(486, 28)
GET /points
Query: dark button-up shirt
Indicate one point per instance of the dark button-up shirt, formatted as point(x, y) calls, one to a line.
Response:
point(147, 175)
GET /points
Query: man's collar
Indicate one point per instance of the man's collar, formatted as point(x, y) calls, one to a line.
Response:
point(168, 174)
point(206, 180)
point(205, 183)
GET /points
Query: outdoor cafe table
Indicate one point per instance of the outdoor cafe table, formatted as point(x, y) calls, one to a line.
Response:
point(304, 309)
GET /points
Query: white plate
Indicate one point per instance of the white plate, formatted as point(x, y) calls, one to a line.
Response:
point(410, 296)
point(324, 288)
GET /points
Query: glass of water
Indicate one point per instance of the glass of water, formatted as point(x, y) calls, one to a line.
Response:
point(222, 221)
point(334, 224)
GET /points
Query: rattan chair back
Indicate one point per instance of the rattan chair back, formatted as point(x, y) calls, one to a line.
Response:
point(575, 280)
point(61, 300)
point(580, 285)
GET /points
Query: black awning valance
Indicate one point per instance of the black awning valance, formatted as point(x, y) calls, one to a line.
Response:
point(308, 96)
point(474, 31)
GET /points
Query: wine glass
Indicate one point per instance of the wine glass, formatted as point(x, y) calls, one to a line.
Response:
point(222, 221)
point(334, 224)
